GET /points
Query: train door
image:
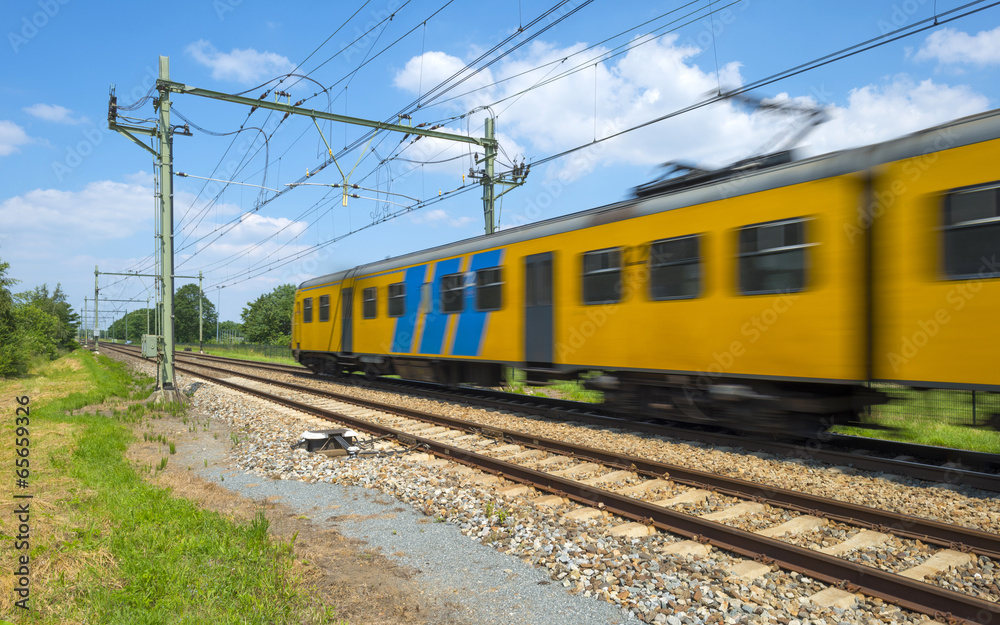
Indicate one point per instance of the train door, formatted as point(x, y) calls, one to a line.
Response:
point(347, 334)
point(297, 326)
point(538, 321)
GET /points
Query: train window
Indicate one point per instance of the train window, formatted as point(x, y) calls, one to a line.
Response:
point(488, 289)
point(452, 293)
point(397, 299)
point(307, 310)
point(602, 271)
point(324, 308)
point(675, 268)
point(369, 305)
point(772, 257)
point(972, 232)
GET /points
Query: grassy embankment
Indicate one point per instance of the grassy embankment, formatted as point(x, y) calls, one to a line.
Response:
point(246, 354)
point(108, 547)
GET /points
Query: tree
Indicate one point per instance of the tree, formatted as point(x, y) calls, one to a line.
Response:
point(33, 324)
point(67, 321)
point(10, 350)
point(268, 319)
point(134, 328)
point(186, 314)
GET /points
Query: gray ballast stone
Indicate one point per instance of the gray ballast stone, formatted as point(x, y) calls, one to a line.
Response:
point(492, 588)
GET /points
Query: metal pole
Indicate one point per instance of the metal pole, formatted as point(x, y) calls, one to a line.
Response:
point(97, 336)
point(126, 325)
point(488, 187)
point(166, 229)
point(218, 310)
point(147, 315)
point(201, 342)
point(84, 324)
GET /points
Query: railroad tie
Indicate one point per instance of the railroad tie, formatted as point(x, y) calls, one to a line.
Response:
point(745, 508)
point(690, 496)
point(644, 487)
point(798, 525)
point(833, 597)
point(940, 561)
point(862, 540)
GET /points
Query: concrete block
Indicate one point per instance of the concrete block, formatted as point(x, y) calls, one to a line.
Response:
point(748, 570)
point(690, 496)
point(583, 513)
point(834, 598)
point(940, 561)
point(745, 508)
point(644, 487)
point(607, 478)
point(688, 548)
point(798, 525)
point(632, 530)
point(548, 500)
point(515, 490)
point(576, 469)
point(862, 540)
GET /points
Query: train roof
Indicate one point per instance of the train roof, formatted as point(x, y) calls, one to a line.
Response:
point(727, 183)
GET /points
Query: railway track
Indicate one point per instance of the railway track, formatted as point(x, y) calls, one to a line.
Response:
point(933, 464)
point(633, 488)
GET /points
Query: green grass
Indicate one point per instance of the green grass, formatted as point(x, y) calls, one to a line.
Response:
point(514, 382)
point(121, 550)
point(245, 354)
point(941, 418)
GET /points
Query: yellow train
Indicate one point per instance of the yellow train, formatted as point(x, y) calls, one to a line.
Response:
point(765, 295)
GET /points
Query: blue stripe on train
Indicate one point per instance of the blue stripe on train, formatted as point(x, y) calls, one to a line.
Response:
point(435, 322)
point(472, 322)
point(402, 338)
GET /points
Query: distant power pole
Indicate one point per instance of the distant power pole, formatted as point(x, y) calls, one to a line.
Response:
point(201, 295)
point(96, 334)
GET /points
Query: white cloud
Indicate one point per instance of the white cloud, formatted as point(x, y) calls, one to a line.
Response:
point(900, 106)
point(11, 136)
point(53, 113)
point(441, 217)
point(658, 78)
point(244, 66)
point(101, 211)
point(953, 47)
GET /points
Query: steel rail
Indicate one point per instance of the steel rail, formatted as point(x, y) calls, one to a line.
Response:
point(935, 532)
point(811, 450)
point(906, 593)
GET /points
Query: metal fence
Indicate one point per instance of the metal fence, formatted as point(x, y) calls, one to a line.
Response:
point(267, 351)
point(954, 406)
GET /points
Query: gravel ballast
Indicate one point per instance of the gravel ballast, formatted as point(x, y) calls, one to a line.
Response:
point(531, 564)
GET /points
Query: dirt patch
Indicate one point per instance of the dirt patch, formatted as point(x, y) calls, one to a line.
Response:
point(363, 585)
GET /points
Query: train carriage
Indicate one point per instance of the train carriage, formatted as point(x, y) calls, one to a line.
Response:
point(765, 296)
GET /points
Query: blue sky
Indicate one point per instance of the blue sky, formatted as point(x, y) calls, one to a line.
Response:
point(74, 194)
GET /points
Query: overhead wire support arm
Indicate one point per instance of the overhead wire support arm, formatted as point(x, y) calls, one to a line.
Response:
point(176, 87)
point(488, 143)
